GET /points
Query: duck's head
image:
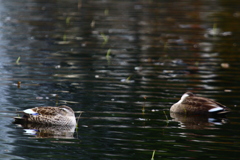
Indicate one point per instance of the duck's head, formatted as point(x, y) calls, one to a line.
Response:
point(188, 94)
point(185, 95)
point(67, 111)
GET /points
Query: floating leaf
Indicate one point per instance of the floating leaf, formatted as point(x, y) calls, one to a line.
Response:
point(105, 39)
point(108, 57)
point(17, 61)
point(106, 12)
point(153, 154)
point(68, 20)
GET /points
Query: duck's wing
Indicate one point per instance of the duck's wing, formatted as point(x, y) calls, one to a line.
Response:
point(204, 104)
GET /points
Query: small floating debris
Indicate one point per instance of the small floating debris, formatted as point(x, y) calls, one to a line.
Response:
point(213, 32)
point(168, 71)
point(19, 84)
point(57, 66)
point(226, 33)
point(138, 68)
point(217, 32)
point(106, 12)
point(224, 65)
point(63, 42)
point(155, 110)
point(227, 90)
point(70, 102)
point(53, 95)
point(142, 119)
point(79, 38)
point(39, 97)
point(127, 80)
point(92, 24)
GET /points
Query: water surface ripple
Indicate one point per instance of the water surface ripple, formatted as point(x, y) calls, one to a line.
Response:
point(124, 64)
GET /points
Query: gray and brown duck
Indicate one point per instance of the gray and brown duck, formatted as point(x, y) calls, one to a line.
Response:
point(190, 104)
point(62, 115)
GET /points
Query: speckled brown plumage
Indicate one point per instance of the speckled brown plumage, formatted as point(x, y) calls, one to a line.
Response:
point(62, 115)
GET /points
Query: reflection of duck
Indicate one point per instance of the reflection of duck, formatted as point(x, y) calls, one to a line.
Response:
point(198, 122)
point(62, 115)
point(49, 131)
point(191, 104)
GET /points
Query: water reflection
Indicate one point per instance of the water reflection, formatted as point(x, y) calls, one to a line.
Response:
point(159, 49)
point(198, 121)
point(48, 131)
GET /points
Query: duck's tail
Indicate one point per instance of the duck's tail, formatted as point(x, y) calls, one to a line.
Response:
point(19, 120)
point(222, 111)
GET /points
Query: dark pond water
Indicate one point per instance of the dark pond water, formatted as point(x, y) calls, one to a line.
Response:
point(123, 63)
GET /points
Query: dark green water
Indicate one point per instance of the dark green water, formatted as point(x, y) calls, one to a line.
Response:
point(123, 63)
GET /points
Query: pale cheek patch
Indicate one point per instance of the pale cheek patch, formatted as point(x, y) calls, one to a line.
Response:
point(217, 109)
point(30, 111)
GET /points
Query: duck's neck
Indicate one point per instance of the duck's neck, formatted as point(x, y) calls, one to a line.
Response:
point(183, 98)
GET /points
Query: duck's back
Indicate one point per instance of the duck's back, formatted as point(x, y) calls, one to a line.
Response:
point(62, 115)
